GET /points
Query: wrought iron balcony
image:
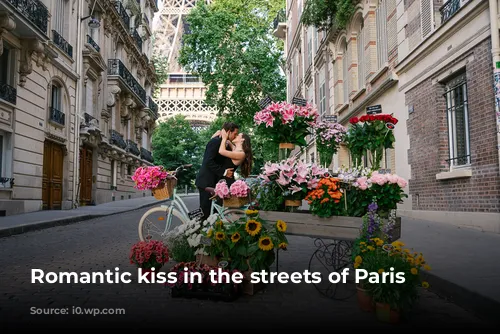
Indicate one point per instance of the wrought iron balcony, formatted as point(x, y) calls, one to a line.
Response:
point(34, 10)
point(117, 139)
point(8, 93)
point(138, 39)
point(90, 119)
point(132, 147)
point(146, 155)
point(116, 67)
point(91, 41)
point(4, 180)
point(450, 8)
point(153, 107)
point(122, 13)
point(62, 44)
point(57, 116)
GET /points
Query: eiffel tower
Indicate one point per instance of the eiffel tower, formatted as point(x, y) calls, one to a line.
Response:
point(182, 93)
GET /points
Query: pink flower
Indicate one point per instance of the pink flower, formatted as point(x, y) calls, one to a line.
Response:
point(221, 189)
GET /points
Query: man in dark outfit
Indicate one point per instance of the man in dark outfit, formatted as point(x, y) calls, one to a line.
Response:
point(214, 167)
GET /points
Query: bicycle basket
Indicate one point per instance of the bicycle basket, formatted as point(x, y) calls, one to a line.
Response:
point(165, 190)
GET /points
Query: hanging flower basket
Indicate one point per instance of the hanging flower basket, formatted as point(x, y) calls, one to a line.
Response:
point(165, 190)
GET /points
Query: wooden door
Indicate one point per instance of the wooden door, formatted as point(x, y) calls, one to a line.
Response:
point(53, 159)
point(85, 176)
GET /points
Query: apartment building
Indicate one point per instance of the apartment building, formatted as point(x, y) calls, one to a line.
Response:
point(430, 64)
point(75, 99)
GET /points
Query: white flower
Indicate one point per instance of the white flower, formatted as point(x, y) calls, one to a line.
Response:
point(200, 251)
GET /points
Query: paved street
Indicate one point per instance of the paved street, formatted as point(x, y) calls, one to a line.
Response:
point(104, 243)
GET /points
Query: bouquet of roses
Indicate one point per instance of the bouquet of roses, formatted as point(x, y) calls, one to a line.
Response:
point(237, 189)
point(150, 177)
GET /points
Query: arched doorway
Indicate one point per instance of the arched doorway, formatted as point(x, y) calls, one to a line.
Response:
point(52, 179)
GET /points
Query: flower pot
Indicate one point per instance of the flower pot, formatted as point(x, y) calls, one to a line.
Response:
point(386, 314)
point(365, 301)
point(289, 146)
point(293, 202)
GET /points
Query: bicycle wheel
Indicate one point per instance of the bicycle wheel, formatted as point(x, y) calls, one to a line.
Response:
point(153, 224)
point(232, 215)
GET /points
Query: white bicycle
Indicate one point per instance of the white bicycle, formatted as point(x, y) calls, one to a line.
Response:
point(158, 221)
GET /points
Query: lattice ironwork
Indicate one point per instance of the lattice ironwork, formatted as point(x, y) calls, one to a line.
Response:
point(195, 111)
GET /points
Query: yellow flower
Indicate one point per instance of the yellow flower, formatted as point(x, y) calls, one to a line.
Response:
point(427, 267)
point(362, 243)
point(219, 223)
point(414, 271)
point(356, 265)
point(380, 271)
point(235, 237)
point(398, 244)
point(371, 248)
point(425, 285)
point(282, 245)
point(410, 260)
point(253, 227)
point(406, 250)
point(210, 232)
point(281, 225)
point(220, 235)
point(251, 212)
point(358, 259)
point(265, 243)
point(379, 242)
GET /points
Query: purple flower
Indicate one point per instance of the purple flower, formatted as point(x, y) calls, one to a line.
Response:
point(372, 207)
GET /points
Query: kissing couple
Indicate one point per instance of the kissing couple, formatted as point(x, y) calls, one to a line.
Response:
point(225, 152)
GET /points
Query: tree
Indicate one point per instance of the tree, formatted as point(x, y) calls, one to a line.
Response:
point(175, 143)
point(324, 14)
point(231, 48)
point(161, 67)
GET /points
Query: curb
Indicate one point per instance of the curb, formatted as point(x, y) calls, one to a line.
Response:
point(15, 230)
point(481, 306)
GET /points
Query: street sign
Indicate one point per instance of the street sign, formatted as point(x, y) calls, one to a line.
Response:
point(265, 102)
point(330, 118)
point(299, 101)
point(376, 109)
point(196, 214)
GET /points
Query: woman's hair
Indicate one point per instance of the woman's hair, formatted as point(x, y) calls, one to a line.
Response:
point(246, 165)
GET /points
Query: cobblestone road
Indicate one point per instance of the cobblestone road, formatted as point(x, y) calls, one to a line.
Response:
point(104, 243)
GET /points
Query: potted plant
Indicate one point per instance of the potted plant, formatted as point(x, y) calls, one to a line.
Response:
point(286, 124)
point(326, 199)
point(329, 135)
point(235, 196)
point(392, 299)
point(156, 179)
point(150, 256)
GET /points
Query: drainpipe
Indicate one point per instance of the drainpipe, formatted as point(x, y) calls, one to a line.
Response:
point(78, 104)
point(495, 50)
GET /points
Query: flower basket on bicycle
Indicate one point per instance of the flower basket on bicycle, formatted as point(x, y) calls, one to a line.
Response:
point(165, 189)
point(235, 196)
point(235, 202)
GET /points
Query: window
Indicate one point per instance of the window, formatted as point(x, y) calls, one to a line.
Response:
point(89, 98)
point(5, 157)
point(426, 17)
point(322, 91)
point(312, 157)
point(144, 143)
point(7, 69)
point(458, 121)
point(315, 41)
point(361, 57)
point(56, 112)
point(381, 20)
point(345, 75)
point(309, 46)
point(59, 17)
point(56, 97)
point(310, 94)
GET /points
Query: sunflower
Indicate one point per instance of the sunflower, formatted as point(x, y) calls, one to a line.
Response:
point(210, 232)
point(283, 245)
point(281, 225)
point(220, 236)
point(251, 212)
point(235, 237)
point(265, 243)
point(253, 227)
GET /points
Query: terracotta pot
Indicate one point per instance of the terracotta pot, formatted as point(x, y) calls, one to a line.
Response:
point(365, 301)
point(386, 314)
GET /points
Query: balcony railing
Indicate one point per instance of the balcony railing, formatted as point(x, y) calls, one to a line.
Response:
point(91, 41)
point(57, 116)
point(451, 8)
point(34, 10)
point(146, 155)
point(280, 17)
point(153, 106)
point(138, 39)
point(8, 93)
point(116, 67)
point(132, 147)
point(122, 13)
point(62, 44)
point(117, 139)
point(9, 180)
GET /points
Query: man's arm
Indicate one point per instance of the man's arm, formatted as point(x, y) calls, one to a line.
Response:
point(212, 151)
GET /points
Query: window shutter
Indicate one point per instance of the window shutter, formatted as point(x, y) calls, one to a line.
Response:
point(426, 17)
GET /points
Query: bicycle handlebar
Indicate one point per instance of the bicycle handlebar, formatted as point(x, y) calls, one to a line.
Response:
point(181, 168)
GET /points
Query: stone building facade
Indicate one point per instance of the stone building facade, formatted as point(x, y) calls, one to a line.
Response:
point(431, 64)
point(76, 113)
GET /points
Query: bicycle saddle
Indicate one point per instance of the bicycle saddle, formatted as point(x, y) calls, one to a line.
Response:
point(210, 190)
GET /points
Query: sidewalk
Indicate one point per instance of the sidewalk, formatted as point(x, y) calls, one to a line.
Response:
point(26, 222)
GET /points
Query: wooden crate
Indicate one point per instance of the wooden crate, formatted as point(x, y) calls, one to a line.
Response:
point(337, 227)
